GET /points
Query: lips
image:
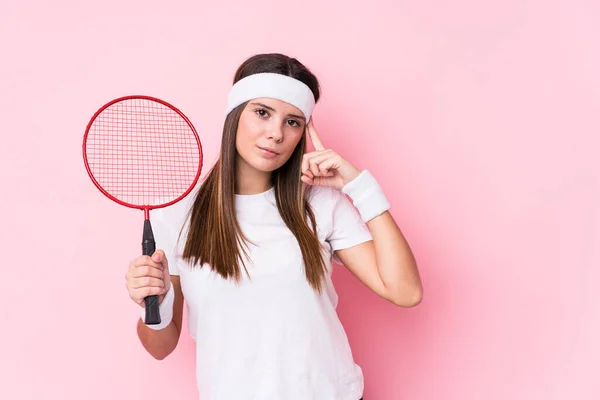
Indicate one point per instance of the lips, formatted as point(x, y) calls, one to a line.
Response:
point(268, 149)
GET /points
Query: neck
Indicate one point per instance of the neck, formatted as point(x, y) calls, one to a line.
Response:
point(250, 181)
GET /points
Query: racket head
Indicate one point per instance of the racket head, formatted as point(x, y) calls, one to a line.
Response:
point(142, 152)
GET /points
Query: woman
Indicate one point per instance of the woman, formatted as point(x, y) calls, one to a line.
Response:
point(256, 243)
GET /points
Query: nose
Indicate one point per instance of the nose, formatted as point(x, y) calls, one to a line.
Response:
point(275, 132)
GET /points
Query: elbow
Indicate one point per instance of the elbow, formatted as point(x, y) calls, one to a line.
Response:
point(160, 356)
point(416, 299)
point(160, 353)
point(408, 298)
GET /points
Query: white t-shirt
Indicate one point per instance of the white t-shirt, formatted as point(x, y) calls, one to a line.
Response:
point(271, 337)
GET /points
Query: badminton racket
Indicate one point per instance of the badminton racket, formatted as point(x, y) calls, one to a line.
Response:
point(142, 153)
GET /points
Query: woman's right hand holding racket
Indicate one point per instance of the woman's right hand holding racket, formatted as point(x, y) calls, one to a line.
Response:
point(148, 276)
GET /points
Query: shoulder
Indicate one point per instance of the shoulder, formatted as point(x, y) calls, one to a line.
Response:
point(328, 204)
point(175, 215)
point(320, 197)
point(325, 197)
point(169, 225)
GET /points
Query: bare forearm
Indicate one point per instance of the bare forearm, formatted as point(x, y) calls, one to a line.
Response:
point(395, 261)
point(159, 343)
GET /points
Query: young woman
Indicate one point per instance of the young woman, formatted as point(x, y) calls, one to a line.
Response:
point(251, 251)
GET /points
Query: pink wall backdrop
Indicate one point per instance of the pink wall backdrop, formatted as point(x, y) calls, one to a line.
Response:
point(480, 120)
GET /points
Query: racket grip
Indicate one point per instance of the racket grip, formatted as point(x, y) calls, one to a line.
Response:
point(151, 302)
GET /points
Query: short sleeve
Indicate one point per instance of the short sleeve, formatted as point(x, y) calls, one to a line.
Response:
point(348, 228)
point(167, 224)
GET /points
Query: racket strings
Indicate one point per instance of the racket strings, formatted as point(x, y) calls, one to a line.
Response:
point(142, 152)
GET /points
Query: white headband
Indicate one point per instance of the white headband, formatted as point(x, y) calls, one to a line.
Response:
point(273, 86)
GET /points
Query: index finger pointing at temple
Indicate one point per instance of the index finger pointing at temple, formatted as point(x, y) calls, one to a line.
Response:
point(314, 137)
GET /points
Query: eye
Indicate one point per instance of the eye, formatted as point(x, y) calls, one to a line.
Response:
point(261, 112)
point(293, 122)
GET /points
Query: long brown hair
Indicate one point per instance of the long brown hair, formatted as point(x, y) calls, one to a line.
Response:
point(214, 235)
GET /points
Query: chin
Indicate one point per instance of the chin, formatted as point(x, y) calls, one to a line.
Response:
point(265, 165)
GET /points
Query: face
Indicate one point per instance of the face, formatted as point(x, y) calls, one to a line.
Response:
point(268, 132)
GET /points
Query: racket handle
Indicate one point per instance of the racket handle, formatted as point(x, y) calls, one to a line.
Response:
point(151, 302)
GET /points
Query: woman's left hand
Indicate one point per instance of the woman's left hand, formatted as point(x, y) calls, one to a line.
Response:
point(324, 167)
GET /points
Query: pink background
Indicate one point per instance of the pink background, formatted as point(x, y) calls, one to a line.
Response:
point(479, 120)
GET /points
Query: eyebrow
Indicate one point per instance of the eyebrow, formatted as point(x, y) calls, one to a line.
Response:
point(274, 110)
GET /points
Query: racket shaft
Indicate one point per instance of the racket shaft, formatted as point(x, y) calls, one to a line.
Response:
point(151, 302)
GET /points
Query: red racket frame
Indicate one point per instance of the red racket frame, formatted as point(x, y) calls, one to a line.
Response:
point(148, 244)
point(146, 208)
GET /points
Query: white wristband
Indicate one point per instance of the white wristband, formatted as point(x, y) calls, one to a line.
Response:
point(165, 310)
point(367, 196)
